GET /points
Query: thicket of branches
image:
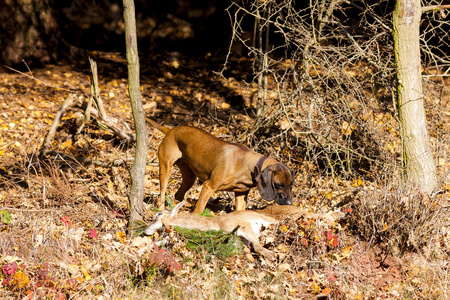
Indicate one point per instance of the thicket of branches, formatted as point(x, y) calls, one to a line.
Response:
point(326, 84)
point(325, 78)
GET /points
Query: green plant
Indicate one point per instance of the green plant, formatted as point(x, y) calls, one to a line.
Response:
point(214, 242)
point(5, 217)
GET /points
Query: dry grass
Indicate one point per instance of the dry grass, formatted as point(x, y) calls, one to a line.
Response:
point(394, 244)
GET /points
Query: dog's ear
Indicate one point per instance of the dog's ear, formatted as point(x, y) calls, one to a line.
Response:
point(264, 183)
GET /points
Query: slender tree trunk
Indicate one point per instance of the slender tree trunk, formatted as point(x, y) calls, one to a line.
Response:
point(417, 156)
point(136, 195)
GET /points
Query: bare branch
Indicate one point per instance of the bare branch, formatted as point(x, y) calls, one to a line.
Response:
point(435, 7)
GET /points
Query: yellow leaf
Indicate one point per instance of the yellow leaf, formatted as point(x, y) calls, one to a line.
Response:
point(391, 147)
point(302, 276)
point(346, 252)
point(238, 287)
point(175, 64)
point(66, 144)
point(347, 128)
point(358, 182)
point(169, 99)
point(315, 288)
point(85, 273)
point(330, 195)
point(21, 279)
point(284, 228)
point(120, 236)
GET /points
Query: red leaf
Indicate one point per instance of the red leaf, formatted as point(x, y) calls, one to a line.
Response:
point(93, 234)
point(304, 242)
point(330, 235)
point(348, 210)
point(335, 241)
point(66, 221)
point(119, 214)
point(331, 276)
point(10, 269)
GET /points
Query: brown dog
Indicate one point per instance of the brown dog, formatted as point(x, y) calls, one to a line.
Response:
point(221, 166)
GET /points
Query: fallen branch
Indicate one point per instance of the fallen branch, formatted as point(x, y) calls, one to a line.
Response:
point(51, 133)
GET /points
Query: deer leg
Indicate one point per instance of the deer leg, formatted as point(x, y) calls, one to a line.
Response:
point(247, 233)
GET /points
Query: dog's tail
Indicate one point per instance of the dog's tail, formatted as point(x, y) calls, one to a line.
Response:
point(160, 127)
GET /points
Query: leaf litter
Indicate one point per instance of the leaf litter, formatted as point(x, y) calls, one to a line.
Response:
point(63, 224)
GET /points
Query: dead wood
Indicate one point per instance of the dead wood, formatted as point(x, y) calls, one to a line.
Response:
point(101, 117)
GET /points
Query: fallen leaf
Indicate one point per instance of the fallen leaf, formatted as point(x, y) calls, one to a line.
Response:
point(9, 269)
point(5, 216)
point(282, 248)
point(120, 236)
point(331, 276)
point(66, 221)
point(93, 234)
point(85, 273)
point(21, 279)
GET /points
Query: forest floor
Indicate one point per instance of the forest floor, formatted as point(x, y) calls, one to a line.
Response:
point(63, 224)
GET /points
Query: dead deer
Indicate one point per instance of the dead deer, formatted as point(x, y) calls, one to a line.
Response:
point(248, 223)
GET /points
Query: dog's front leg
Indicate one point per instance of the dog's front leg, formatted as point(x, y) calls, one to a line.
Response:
point(240, 200)
point(205, 194)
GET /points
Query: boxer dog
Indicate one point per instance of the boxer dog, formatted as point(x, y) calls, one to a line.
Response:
point(220, 166)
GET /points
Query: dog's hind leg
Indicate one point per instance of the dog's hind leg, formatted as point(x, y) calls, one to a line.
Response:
point(188, 180)
point(164, 173)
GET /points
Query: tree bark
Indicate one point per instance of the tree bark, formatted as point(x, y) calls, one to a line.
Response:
point(417, 156)
point(136, 194)
point(29, 32)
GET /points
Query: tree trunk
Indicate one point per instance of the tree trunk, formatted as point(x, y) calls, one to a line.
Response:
point(136, 195)
point(417, 156)
point(29, 32)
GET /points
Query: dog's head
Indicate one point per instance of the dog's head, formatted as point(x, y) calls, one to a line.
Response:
point(275, 183)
